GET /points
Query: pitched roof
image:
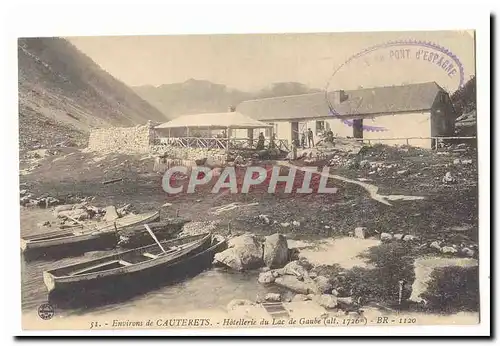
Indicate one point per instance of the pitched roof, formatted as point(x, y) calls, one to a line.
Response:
point(232, 120)
point(361, 102)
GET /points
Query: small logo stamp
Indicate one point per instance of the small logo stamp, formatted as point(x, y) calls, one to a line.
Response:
point(46, 311)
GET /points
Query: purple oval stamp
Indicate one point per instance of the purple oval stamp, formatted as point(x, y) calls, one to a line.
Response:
point(389, 64)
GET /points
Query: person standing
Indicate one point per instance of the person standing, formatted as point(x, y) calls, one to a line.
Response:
point(303, 140)
point(310, 138)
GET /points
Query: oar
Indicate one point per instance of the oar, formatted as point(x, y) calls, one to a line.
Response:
point(154, 237)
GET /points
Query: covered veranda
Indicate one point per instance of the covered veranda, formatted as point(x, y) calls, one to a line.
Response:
point(227, 130)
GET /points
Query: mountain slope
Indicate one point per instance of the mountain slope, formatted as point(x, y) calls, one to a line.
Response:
point(200, 96)
point(63, 93)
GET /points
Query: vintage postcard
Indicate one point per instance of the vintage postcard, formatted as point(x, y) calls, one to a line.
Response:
point(248, 181)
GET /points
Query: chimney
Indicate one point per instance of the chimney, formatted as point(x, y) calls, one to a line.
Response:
point(231, 109)
point(339, 96)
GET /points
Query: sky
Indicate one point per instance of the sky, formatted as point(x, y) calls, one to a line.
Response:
point(254, 61)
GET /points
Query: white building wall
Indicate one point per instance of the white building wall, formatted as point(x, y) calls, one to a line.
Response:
point(401, 125)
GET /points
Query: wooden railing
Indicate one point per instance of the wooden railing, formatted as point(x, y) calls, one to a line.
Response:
point(220, 143)
point(437, 140)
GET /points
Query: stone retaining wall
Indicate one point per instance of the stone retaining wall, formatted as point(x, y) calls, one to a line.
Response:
point(189, 153)
point(138, 139)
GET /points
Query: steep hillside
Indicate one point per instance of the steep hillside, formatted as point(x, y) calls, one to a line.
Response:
point(199, 96)
point(63, 93)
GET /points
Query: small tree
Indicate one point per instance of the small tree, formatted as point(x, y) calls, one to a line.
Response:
point(464, 99)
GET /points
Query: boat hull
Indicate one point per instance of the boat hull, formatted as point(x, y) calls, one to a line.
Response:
point(65, 243)
point(75, 246)
point(105, 290)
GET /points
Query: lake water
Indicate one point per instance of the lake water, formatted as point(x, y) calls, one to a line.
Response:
point(211, 289)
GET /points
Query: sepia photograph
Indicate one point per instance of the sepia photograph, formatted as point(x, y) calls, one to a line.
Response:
point(258, 180)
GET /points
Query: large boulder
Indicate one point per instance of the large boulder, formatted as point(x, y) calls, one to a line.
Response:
point(111, 214)
point(244, 252)
point(293, 283)
point(275, 251)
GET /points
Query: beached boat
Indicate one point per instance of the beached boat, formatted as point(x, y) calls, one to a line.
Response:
point(124, 270)
point(137, 236)
point(78, 240)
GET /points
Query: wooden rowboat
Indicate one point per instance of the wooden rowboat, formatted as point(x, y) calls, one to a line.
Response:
point(137, 236)
point(79, 240)
point(123, 270)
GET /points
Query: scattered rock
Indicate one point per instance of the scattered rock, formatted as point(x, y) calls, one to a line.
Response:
point(364, 164)
point(404, 171)
point(24, 201)
point(45, 224)
point(409, 237)
point(296, 223)
point(167, 205)
point(327, 301)
point(398, 236)
point(23, 192)
point(346, 301)
point(449, 178)
point(456, 161)
point(360, 232)
point(238, 302)
point(300, 298)
point(448, 250)
point(466, 162)
point(264, 219)
point(385, 237)
point(294, 268)
point(273, 297)
point(313, 275)
point(467, 252)
point(285, 224)
point(266, 278)
point(275, 251)
point(62, 207)
point(435, 245)
point(323, 284)
point(111, 213)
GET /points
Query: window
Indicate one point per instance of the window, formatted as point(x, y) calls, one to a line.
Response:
point(320, 126)
point(268, 130)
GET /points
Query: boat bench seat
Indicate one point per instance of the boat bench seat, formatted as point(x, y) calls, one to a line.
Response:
point(150, 255)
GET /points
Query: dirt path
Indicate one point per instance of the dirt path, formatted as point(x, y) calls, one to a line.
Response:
point(372, 189)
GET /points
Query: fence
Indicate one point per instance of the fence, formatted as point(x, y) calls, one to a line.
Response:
point(220, 143)
point(436, 141)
